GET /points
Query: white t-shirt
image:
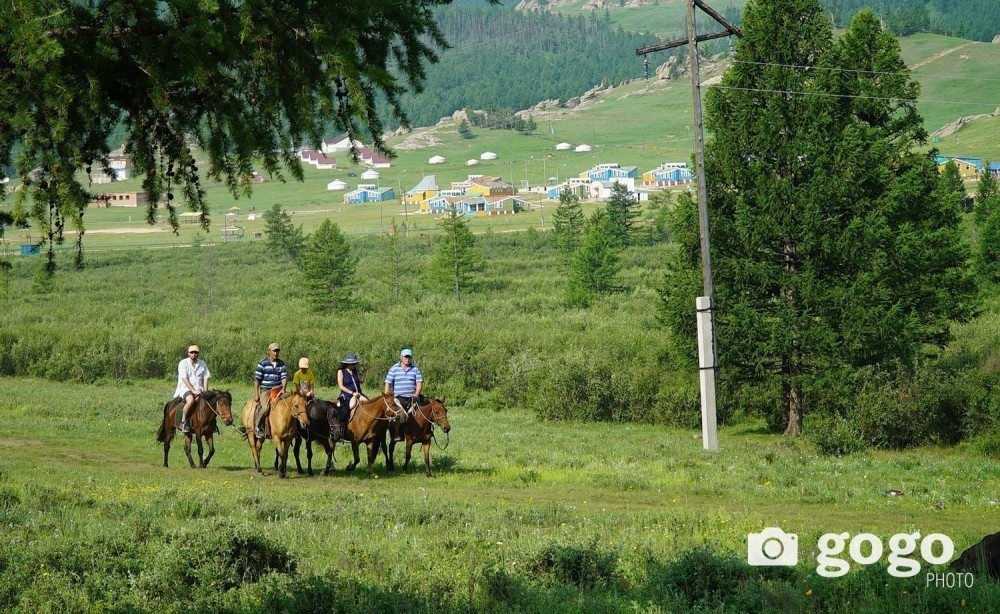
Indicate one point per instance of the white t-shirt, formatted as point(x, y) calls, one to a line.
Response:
point(196, 374)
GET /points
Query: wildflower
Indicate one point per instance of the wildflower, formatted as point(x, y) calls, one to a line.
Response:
point(809, 592)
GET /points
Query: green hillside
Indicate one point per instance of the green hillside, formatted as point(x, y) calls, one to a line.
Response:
point(957, 77)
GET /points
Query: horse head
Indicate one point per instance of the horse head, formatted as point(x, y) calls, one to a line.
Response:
point(333, 420)
point(439, 414)
point(224, 404)
point(297, 404)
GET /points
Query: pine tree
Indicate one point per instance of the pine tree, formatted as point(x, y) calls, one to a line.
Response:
point(567, 224)
point(595, 264)
point(455, 259)
point(622, 210)
point(282, 235)
point(464, 130)
point(328, 267)
point(986, 193)
point(987, 216)
point(831, 249)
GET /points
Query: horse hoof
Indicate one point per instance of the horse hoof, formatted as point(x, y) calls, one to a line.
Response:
point(282, 476)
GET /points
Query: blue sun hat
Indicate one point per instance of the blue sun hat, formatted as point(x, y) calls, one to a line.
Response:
point(350, 359)
point(407, 352)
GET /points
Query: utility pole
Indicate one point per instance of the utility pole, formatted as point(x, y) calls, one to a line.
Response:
point(705, 305)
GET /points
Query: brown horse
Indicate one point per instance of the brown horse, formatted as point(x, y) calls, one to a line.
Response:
point(324, 428)
point(418, 429)
point(368, 425)
point(211, 405)
point(285, 410)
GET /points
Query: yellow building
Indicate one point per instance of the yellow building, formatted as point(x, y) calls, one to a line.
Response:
point(427, 188)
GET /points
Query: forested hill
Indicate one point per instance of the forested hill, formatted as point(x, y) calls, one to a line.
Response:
point(973, 19)
point(505, 58)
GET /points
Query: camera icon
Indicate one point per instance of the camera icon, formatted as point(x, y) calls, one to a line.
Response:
point(772, 547)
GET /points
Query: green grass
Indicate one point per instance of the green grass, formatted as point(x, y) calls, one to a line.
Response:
point(90, 517)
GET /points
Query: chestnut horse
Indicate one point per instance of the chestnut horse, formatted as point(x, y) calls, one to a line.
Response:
point(285, 410)
point(211, 405)
point(368, 425)
point(418, 429)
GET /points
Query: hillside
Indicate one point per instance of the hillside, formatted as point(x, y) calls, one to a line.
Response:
point(500, 57)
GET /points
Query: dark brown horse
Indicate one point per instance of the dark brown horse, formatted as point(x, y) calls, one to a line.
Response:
point(419, 429)
point(210, 406)
point(368, 425)
point(324, 428)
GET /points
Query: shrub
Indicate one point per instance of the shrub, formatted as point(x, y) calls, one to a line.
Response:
point(584, 565)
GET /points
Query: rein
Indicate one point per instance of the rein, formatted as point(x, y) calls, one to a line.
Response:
point(433, 436)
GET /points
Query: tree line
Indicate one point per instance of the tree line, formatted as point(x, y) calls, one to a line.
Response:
point(972, 19)
point(514, 59)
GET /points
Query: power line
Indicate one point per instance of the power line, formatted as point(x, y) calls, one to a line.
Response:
point(869, 72)
point(856, 96)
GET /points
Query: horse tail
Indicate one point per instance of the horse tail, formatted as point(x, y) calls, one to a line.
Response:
point(161, 435)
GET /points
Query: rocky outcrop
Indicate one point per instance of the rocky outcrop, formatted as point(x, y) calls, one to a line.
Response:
point(955, 126)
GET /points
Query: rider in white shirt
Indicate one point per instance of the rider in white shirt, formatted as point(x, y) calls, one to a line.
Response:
point(192, 380)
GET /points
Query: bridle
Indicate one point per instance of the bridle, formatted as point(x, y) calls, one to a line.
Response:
point(447, 436)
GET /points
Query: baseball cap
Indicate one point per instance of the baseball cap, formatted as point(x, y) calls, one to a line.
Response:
point(303, 363)
point(407, 352)
point(273, 346)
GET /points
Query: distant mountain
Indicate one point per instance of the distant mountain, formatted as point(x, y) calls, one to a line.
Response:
point(506, 58)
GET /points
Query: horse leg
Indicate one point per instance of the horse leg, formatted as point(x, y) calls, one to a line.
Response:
point(409, 450)
point(329, 458)
point(187, 448)
point(166, 443)
point(427, 457)
point(309, 455)
point(255, 446)
point(390, 454)
point(372, 454)
point(201, 452)
point(298, 444)
point(211, 448)
point(281, 450)
point(357, 459)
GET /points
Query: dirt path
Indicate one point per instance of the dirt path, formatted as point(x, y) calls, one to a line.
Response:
point(938, 56)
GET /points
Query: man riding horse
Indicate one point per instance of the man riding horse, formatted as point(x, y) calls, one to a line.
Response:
point(404, 381)
point(192, 380)
point(269, 374)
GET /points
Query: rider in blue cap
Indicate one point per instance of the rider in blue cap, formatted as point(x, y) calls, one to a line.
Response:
point(404, 381)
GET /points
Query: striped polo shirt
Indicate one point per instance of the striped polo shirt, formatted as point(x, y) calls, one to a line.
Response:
point(270, 374)
point(403, 381)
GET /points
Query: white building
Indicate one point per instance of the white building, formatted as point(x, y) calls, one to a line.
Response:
point(488, 155)
point(436, 160)
point(582, 148)
point(370, 174)
point(563, 147)
point(471, 162)
point(336, 184)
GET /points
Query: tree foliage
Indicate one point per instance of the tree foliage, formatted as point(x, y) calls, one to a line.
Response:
point(464, 130)
point(282, 235)
point(973, 19)
point(567, 223)
point(987, 217)
point(245, 81)
point(623, 211)
point(832, 247)
point(595, 264)
point(455, 260)
point(328, 267)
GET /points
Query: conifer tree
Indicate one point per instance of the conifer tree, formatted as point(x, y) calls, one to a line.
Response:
point(831, 246)
point(595, 264)
point(328, 267)
point(455, 259)
point(567, 224)
point(623, 210)
point(282, 235)
point(987, 216)
point(464, 130)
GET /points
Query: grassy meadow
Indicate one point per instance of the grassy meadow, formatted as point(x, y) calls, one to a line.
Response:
point(519, 515)
point(522, 513)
